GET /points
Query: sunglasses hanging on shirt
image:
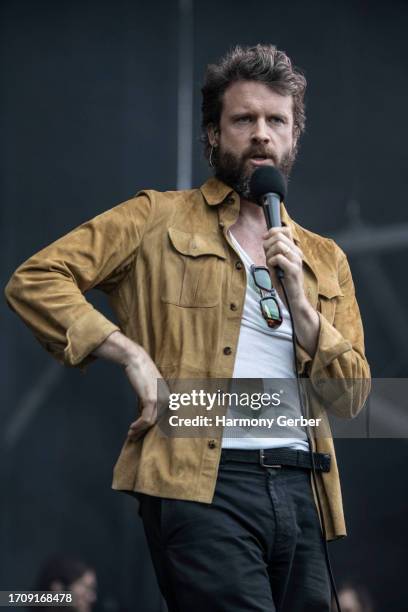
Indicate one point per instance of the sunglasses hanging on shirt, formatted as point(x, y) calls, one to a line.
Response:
point(269, 305)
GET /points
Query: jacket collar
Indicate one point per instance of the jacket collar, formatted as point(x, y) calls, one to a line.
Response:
point(216, 192)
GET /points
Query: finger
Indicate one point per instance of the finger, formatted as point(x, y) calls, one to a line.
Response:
point(276, 231)
point(138, 429)
point(148, 416)
point(287, 232)
point(135, 434)
point(146, 420)
point(279, 239)
point(283, 262)
point(290, 251)
point(283, 243)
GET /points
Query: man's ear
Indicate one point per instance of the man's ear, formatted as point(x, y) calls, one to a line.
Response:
point(213, 134)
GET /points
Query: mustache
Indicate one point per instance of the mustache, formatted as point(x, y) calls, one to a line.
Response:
point(260, 151)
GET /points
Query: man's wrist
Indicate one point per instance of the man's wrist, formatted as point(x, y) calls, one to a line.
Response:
point(307, 325)
point(302, 308)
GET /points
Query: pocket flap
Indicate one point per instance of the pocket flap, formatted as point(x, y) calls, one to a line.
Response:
point(329, 287)
point(196, 244)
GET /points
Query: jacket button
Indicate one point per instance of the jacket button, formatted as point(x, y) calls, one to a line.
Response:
point(238, 265)
point(227, 350)
point(212, 444)
point(221, 224)
point(233, 306)
point(230, 200)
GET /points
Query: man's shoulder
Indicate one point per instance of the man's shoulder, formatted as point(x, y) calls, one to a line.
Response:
point(211, 192)
point(170, 198)
point(317, 243)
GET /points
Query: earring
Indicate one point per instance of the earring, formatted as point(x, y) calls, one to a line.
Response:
point(210, 159)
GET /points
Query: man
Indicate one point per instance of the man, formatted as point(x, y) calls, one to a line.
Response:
point(232, 523)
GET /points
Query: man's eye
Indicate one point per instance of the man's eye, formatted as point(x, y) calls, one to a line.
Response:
point(277, 120)
point(244, 119)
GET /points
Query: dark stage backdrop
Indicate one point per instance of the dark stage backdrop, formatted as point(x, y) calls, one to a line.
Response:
point(89, 117)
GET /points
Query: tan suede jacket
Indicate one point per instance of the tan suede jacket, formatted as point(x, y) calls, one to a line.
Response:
point(177, 288)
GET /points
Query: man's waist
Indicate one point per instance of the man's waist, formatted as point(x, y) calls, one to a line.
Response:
point(278, 457)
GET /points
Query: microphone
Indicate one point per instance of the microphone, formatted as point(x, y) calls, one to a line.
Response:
point(268, 188)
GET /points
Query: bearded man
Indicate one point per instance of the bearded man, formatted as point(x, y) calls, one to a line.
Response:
point(233, 523)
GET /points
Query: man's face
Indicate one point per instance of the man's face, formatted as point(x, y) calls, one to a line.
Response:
point(256, 129)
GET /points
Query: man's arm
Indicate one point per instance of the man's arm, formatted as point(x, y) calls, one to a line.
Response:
point(307, 325)
point(142, 375)
point(47, 291)
point(338, 369)
point(330, 353)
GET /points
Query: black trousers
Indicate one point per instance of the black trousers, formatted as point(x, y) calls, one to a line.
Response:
point(256, 548)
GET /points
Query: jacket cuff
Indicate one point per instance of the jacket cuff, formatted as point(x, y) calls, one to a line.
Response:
point(330, 345)
point(85, 335)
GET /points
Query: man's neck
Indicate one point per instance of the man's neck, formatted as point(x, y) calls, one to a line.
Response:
point(251, 217)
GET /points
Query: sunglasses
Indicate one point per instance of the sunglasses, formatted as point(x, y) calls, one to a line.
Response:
point(270, 309)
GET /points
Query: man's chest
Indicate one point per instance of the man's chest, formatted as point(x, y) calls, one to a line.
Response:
point(252, 245)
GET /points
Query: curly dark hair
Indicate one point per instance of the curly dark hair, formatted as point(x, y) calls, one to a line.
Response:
point(63, 569)
point(263, 63)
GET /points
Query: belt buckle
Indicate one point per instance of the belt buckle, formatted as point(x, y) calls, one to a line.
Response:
point(262, 460)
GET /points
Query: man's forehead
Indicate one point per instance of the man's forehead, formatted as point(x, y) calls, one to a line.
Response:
point(247, 95)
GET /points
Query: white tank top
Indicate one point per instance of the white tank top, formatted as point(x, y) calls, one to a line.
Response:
point(264, 353)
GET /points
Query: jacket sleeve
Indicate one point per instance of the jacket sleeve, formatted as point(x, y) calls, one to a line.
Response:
point(47, 291)
point(339, 371)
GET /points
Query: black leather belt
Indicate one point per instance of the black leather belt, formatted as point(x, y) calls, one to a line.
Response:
point(278, 457)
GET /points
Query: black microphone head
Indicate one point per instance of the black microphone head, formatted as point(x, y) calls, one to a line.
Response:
point(267, 179)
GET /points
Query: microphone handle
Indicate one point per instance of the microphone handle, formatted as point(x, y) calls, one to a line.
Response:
point(271, 206)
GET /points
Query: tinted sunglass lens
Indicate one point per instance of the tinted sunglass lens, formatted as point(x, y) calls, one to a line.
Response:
point(262, 279)
point(271, 312)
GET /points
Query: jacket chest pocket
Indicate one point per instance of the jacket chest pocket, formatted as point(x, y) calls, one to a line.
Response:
point(192, 269)
point(329, 293)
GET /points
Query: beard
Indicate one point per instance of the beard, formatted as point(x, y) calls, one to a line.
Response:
point(230, 169)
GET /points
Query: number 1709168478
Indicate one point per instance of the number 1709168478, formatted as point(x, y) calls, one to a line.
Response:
point(36, 598)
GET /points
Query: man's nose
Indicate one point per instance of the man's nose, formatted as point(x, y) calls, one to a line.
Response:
point(261, 132)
